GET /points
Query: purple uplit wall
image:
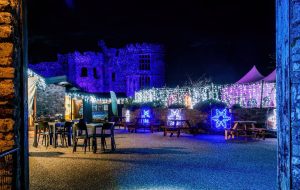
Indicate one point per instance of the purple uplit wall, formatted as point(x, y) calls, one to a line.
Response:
point(124, 70)
point(49, 69)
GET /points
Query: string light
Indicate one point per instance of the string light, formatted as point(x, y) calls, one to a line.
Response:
point(93, 99)
point(246, 95)
point(41, 83)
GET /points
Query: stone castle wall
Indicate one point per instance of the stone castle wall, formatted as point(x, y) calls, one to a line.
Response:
point(50, 101)
point(110, 69)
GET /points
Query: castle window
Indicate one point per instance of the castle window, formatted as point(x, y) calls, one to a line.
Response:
point(95, 73)
point(144, 82)
point(113, 76)
point(144, 61)
point(84, 72)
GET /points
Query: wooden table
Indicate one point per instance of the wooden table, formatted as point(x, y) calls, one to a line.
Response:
point(246, 129)
point(174, 128)
point(132, 127)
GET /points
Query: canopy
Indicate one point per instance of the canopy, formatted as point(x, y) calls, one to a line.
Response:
point(31, 92)
point(271, 77)
point(252, 76)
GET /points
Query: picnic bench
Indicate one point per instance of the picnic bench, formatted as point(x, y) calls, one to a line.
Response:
point(245, 129)
point(177, 126)
point(156, 125)
point(138, 124)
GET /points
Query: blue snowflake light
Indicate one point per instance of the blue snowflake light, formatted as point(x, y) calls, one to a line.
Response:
point(145, 117)
point(221, 119)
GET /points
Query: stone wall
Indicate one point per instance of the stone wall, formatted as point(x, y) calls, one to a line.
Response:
point(288, 93)
point(193, 116)
point(295, 91)
point(196, 117)
point(12, 98)
point(51, 100)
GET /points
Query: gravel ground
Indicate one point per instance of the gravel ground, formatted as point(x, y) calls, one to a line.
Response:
point(150, 161)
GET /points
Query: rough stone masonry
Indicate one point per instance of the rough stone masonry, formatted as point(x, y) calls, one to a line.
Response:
point(11, 86)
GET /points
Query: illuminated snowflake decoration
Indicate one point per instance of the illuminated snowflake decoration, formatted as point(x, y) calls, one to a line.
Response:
point(221, 118)
point(174, 114)
point(145, 117)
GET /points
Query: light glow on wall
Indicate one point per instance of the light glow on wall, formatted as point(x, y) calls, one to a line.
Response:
point(271, 120)
point(127, 116)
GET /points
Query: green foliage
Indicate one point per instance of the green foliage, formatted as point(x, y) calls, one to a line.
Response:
point(176, 106)
point(132, 106)
point(207, 105)
point(236, 106)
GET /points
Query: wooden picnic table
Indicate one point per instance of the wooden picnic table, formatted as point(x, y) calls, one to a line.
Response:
point(138, 124)
point(175, 128)
point(245, 129)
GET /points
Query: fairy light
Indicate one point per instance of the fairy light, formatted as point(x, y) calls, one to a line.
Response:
point(41, 83)
point(247, 95)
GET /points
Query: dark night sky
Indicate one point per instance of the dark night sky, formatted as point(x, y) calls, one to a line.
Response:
point(221, 39)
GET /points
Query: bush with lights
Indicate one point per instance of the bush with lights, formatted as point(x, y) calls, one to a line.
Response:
point(207, 105)
point(176, 106)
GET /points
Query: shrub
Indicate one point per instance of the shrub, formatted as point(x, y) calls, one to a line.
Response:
point(132, 106)
point(176, 106)
point(207, 105)
point(236, 106)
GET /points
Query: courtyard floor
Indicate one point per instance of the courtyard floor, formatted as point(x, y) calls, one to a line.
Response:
point(151, 161)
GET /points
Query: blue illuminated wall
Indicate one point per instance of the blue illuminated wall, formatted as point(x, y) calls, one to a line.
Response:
point(288, 93)
point(123, 70)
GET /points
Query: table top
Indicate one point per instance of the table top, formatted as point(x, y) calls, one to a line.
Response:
point(94, 124)
point(245, 122)
point(178, 120)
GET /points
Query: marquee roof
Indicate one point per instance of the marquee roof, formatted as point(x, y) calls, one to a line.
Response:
point(271, 77)
point(252, 76)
